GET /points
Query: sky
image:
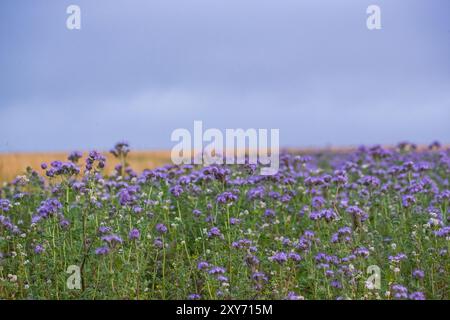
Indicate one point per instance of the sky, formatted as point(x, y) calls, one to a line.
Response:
point(139, 69)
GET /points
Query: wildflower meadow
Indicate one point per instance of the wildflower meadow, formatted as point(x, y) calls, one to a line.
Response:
point(371, 223)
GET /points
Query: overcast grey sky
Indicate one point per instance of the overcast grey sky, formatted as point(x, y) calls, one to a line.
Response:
point(138, 69)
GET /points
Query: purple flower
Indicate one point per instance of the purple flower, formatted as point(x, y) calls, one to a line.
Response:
point(104, 229)
point(222, 278)
point(279, 257)
point(408, 201)
point(95, 156)
point(5, 205)
point(417, 296)
point(64, 223)
point(214, 232)
point(216, 270)
point(397, 258)
point(38, 249)
point(134, 234)
point(400, 292)
point(101, 251)
point(158, 243)
point(327, 214)
point(293, 296)
point(343, 235)
point(202, 265)
point(176, 190)
point(269, 213)
point(112, 240)
point(121, 149)
point(361, 252)
point(75, 156)
point(226, 197)
point(161, 228)
point(234, 221)
point(294, 256)
point(418, 274)
point(443, 232)
point(194, 296)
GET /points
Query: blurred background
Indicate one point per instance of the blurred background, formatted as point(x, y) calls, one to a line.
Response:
point(138, 69)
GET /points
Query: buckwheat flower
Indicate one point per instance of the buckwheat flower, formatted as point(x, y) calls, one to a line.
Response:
point(134, 234)
point(417, 296)
point(161, 228)
point(101, 251)
point(38, 249)
point(194, 296)
point(418, 274)
point(214, 232)
point(279, 257)
point(202, 265)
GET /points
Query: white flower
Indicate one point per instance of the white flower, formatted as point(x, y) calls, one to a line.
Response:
point(369, 285)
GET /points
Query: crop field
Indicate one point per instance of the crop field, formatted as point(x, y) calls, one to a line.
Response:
point(368, 223)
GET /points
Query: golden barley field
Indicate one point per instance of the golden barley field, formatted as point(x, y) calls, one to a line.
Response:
point(13, 164)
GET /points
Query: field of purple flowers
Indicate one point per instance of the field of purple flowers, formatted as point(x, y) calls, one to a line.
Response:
point(318, 229)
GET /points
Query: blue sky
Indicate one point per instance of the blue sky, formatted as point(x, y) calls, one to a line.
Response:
point(138, 69)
